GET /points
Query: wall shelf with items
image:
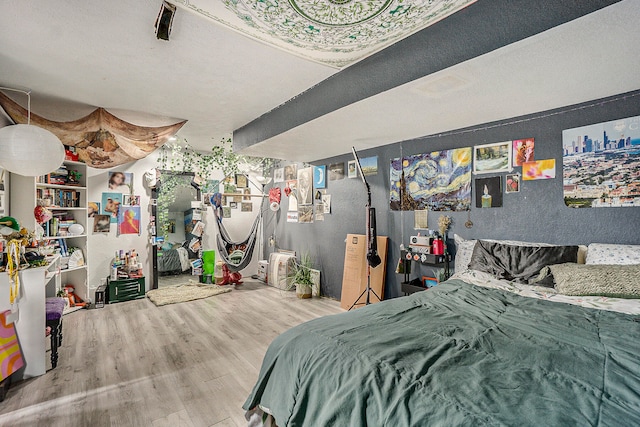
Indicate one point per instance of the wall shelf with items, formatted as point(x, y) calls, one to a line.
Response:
point(431, 260)
point(64, 193)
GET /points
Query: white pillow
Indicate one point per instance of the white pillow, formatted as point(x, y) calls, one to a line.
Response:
point(611, 254)
point(464, 250)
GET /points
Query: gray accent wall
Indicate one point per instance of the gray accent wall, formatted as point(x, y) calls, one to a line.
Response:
point(537, 213)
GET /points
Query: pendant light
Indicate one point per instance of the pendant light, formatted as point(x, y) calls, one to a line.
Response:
point(29, 150)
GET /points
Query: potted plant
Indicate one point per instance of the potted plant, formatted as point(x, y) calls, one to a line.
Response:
point(300, 276)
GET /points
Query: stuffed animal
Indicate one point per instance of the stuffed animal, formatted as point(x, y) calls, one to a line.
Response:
point(229, 277)
point(74, 300)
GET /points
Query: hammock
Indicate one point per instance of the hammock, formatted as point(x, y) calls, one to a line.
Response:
point(237, 255)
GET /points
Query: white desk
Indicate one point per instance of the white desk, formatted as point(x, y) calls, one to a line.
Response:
point(29, 313)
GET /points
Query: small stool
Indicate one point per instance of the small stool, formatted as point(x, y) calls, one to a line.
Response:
point(54, 308)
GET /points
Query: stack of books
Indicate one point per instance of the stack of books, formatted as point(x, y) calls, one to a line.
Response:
point(59, 224)
point(60, 177)
point(59, 198)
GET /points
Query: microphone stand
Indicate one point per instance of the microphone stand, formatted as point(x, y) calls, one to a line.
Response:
point(372, 253)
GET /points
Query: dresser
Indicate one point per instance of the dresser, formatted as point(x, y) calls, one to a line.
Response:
point(125, 289)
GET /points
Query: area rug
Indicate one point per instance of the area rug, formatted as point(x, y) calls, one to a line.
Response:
point(184, 292)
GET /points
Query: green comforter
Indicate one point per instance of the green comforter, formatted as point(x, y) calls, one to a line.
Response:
point(456, 355)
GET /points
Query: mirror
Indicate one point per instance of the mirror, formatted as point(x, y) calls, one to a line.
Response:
point(176, 244)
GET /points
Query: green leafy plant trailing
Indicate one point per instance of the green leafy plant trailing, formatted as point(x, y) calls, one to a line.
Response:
point(181, 157)
point(300, 276)
point(301, 271)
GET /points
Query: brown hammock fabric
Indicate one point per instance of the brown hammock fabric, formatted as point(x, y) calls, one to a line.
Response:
point(101, 139)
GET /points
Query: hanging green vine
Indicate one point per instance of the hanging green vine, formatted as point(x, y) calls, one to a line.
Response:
point(180, 158)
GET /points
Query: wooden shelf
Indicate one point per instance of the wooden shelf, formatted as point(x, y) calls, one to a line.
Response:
point(60, 186)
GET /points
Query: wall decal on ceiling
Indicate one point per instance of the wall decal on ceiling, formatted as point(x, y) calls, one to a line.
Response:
point(336, 33)
point(101, 139)
point(600, 164)
point(438, 181)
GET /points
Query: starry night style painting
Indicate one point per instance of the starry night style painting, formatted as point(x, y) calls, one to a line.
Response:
point(438, 181)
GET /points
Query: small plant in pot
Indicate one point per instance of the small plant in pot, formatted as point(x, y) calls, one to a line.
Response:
point(301, 276)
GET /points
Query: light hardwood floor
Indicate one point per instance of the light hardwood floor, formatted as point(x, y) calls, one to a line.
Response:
point(135, 364)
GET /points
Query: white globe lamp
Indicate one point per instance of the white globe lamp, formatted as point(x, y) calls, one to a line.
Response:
point(30, 150)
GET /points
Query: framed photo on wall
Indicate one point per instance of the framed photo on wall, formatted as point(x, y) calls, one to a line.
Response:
point(492, 158)
point(241, 181)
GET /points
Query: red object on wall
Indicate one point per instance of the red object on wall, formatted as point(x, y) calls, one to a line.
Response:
point(437, 247)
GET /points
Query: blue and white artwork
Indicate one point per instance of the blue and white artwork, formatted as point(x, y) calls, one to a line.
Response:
point(320, 176)
point(438, 181)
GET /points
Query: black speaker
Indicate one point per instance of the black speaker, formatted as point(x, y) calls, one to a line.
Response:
point(165, 20)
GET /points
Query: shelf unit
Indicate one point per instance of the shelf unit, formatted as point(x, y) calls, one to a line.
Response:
point(425, 259)
point(24, 199)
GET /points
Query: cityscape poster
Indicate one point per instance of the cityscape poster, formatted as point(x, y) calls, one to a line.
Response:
point(601, 164)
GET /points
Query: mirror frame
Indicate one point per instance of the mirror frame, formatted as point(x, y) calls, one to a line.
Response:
point(155, 191)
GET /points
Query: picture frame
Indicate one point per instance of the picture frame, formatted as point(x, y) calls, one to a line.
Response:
point(429, 282)
point(352, 170)
point(241, 181)
point(492, 158)
point(320, 176)
point(488, 192)
point(512, 183)
point(101, 223)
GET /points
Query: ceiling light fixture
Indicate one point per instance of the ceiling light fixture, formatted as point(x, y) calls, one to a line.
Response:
point(29, 150)
point(164, 21)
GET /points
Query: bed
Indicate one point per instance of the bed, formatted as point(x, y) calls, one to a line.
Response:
point(173, 261)
point(479, 349)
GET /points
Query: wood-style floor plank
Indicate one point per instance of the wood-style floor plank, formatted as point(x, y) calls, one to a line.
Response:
point(135, 364)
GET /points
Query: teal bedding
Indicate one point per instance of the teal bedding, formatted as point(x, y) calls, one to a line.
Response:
point(456, 355)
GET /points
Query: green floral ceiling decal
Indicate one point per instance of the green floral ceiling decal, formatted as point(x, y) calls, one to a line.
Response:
point(333, 32)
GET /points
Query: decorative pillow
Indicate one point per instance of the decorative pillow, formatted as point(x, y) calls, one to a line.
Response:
point(582, 249)
point(618, 281)
point(464, 250)
point(602, 253)
point(521, 264)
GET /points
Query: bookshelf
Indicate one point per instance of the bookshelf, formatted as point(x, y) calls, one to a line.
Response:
point(65, 195)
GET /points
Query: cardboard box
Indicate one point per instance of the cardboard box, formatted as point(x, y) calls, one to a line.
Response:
point(354, 276)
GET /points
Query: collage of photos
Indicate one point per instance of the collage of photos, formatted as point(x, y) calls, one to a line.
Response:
point(118, 205)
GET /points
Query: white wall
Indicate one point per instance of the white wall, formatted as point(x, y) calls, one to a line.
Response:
point(178, 236)
point(102, 246)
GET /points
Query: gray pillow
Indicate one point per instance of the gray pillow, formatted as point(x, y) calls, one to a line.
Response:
point(520, 264)
point(620, 281)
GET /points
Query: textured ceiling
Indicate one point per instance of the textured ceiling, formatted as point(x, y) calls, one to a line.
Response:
point(333, 32)
point(77, 55)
